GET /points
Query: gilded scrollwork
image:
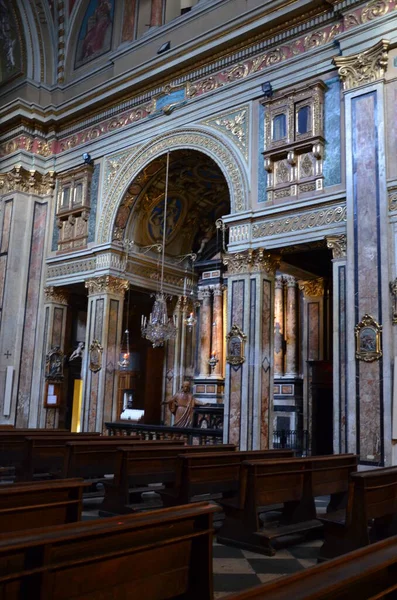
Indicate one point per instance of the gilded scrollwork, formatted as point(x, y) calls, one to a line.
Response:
point(30, 182)
point(300, 221)
point(338, 245)
point(235, 125)
point(251, 260)
point(55, 295)
point(365, 67)
point(368, 339)
point(106, 284)
point(313, 288)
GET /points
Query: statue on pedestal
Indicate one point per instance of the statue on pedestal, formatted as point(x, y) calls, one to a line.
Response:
point(182, 405)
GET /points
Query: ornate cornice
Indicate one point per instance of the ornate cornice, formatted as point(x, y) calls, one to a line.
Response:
point(365, 67)
point(309, 219)
point(106, 284)
point(338, 244)
point(251, 260)
point(55, 295)
point(30, 182)
point(313, 287)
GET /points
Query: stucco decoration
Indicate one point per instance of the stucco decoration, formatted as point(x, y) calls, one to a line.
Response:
point(191, 139)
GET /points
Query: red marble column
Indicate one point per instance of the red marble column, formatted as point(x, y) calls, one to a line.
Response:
point(205, 331)
point(291, 333)
point(156, 14)
point(217, 342)
point(279, 326)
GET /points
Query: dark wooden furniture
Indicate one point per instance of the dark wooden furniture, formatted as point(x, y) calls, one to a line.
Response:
point(140, 467)
point(366, 574)
point(42, 504)
point(191, 435)
point(96, 458)
point(371, 513)
point(214, 473)
point(159, 555)
point(294, 483)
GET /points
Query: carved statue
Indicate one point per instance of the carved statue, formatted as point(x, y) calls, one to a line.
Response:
point(181, 406)
point(78, 353)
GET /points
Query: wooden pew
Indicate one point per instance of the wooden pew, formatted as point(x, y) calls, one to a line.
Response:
point(371, 513)
point(96, 459)
point(366, 574)
point(47, 455)
point(217, 473)
point(12, 443)
point(293, 482)
point(31, 505)
point(159, 555)
point(140, 467)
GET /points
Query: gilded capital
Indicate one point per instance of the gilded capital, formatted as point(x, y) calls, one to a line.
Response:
point(106, 284)
point(251, 260)
point(55, 295)
point(338, 244)
point(362, 68)
point(30, 182)
point(203, 293)
point(313, 287)
point(290, 280)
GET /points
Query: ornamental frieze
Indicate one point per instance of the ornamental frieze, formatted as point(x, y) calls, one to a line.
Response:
point(369, 12)
point(300, 222)
point(30, 182)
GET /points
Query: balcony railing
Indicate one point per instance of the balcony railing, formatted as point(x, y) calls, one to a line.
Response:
point(292, 440)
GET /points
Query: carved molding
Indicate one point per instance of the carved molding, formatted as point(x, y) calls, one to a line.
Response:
point(290, 280)
point(30, 182)
point(235, 125)
point(362, 68)
point(55, 295)
point(392, 196)
point(106, 284)
point(313, 288)
point(393, 290)
point(252, 260)
point(338, 245)
point(300, 221)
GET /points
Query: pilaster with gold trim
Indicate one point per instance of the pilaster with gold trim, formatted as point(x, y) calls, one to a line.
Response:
point(104, 325)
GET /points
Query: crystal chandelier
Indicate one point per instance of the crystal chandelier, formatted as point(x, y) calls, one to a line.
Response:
point(124, 361)
point(160, 328)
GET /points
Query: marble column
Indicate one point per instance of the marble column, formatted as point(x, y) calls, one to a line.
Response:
point(156, 13)
point(369, 249)
point(55, 313)
point(279, 326)
point(249, 385)
point(204, 295)
point(104, 328)
point(337, 243)
point(217, 339)
point(291, 328)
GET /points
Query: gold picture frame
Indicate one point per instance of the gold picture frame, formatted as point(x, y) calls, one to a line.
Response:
point(54, 364)
point(368, 339)
point(96, 352)
point(235, 346)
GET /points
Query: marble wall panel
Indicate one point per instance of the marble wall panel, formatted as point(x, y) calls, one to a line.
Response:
point(57, 327)
point(332, 133)
point(313, 331)
point(31, 312)
point(267, 333)
point(93, 204)
point(236, 373)
point(251, 364)
point(98, 328)
point(111, 361)
point(367, 260)
point(5, 241)
point(342, 342)
point(262, 176)
point(40, 408)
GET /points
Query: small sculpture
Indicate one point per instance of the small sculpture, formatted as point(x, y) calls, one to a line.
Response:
point(78, 353)
point(182, 405)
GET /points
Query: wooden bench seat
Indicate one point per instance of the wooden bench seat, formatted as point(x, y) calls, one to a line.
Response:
point(159, 555)
point(141, 467)
point(371, 513)
point(215, 473)
point(31, 505)
point(293, 482)
point(366, 574)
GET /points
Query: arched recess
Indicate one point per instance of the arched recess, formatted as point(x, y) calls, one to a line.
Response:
point(192, 139)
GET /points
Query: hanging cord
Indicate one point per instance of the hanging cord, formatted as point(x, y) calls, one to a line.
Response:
point(165, 221)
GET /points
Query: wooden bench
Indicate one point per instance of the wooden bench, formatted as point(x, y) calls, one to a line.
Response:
point(31, 505)
point(95, 459)
point(141, 467)
point(371, 513)
point(366, 574)
point(12, 443)
point(159, 555)
point(215, 473)
point(293, 482)
point(47, 455)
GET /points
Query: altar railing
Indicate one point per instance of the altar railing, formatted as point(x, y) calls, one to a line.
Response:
point(191, 435)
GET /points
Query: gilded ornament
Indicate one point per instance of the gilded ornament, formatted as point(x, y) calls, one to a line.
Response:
point(363, 68)
point(235, 346)
point(338, 245)
point(368, 339)
point(30, 182)
point(251, 260)
point(392, 195)
point(55, 295)
point(106, 284)
point(313, 288)
point(300, 221)
point(393, 290)
point(95, 356)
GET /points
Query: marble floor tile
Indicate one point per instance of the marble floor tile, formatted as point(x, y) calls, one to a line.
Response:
point(232, 566)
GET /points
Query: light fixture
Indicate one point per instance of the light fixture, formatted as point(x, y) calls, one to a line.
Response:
point(164, 47)
point(191, 320)
point(87, 158)
point(267, 89)
point(124, 361)
point(213, 361)
point(160, 328)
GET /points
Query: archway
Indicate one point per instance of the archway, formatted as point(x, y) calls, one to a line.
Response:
point(198, 195)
